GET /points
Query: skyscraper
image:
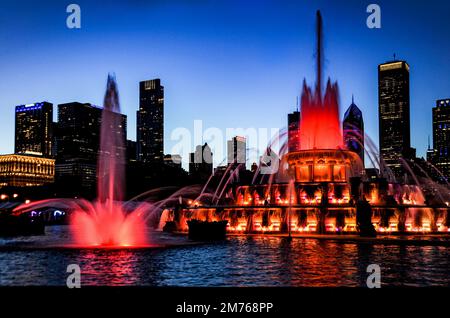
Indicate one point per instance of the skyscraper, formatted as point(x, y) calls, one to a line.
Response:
point(131, 150)
point(150, 122)
point(34, 129)
point(293, 131)
point(441, 136)
point(78, 132)
point(353, 129)
point(201, 162)
point(237, 151)
point(173, 161)
point(78, 143)
point(394, 114)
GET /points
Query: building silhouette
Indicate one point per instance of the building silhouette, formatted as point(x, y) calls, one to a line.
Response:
point(34, 130)
point(78, 131)
point(150, 122)
point(394, 115)
point(441, 137)
point(353, 129)
point(201, 162)
point(237, 151)
point(131, 150)
point(173, 161)
point(294, 131)
point(78, 144)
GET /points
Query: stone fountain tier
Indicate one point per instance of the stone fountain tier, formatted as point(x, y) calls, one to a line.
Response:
point(322, 165)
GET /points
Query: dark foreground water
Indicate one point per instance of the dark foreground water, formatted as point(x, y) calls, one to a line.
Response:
point(239, 261)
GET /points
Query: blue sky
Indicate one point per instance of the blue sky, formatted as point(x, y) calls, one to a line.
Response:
point(229, 63)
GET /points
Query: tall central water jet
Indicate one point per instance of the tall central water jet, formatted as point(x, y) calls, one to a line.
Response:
point(319, 124)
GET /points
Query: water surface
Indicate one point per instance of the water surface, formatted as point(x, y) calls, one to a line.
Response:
point(238, 261)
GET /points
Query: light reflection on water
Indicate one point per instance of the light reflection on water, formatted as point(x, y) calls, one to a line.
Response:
point(240, 261)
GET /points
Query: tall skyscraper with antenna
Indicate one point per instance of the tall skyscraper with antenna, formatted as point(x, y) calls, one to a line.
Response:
point(150, 122)
point(394, 114)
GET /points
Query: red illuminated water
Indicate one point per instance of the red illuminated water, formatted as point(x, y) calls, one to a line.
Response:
point(106, 223)
point(320, 126)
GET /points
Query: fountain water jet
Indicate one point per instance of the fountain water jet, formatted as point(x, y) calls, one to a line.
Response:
point(108, 221)
point(108, 224)
point(320, 126)
point(322, 186)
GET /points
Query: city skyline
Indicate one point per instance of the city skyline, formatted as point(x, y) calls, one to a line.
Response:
point(261, 102)
point(343, 112)
point(161, 119)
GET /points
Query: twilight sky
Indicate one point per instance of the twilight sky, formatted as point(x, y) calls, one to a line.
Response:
point(229, 63)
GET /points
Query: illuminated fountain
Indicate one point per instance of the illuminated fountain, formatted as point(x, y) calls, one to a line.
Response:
point(108, 221)
point(320, 187)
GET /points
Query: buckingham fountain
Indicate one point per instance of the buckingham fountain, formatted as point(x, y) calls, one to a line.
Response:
point(321, 188)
